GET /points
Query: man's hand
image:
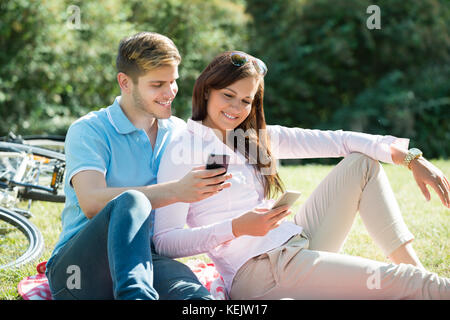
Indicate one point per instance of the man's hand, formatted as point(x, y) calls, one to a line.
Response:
point(199, 184)
point(425, 173)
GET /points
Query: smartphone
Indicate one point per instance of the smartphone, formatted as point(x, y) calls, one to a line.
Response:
point(288, 198)
point(216, 161)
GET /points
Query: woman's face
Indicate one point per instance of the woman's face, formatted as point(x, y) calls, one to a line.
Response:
point(227, 108)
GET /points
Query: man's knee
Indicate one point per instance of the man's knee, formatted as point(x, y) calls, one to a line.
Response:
point(135, 201)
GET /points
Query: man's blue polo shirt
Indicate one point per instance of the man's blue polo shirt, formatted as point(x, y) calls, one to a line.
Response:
point(106, 141)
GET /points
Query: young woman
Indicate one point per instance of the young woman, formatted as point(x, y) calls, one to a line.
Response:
point(258, 255)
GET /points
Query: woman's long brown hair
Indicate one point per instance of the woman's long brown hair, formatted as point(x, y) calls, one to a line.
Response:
point(219, 74)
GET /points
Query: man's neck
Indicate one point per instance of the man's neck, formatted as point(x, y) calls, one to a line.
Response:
point(138, 118)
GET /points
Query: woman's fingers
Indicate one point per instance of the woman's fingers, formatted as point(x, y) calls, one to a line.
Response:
point(447, 184)
point(273, 213)
point(441, 190)
point(276, 221)
point(261, 210)
point(425, 174)
point(278, 214)
point(424, 189)
point(445, 191)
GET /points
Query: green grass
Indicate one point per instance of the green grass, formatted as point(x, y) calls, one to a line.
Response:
point(428, 221)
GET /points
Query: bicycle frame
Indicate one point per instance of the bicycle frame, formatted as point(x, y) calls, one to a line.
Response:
point(23, 169)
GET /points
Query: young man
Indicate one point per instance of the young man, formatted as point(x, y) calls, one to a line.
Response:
point(112, 159)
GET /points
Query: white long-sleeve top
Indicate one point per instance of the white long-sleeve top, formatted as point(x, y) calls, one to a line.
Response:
point(209, 221)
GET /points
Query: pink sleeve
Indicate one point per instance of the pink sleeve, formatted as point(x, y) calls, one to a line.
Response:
point(298, 143)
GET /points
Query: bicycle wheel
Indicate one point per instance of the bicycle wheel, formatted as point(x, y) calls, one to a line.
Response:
point(43, 176)
point(20, 240)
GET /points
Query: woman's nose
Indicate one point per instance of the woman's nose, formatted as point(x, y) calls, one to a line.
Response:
point(237, 105)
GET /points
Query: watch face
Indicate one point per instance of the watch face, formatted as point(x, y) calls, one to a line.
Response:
point(416, 152)
point(413, 153)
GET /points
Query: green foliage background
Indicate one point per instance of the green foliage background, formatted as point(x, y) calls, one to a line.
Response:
point(327, 70)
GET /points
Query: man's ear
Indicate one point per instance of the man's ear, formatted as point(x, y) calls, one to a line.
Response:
point(125, 82)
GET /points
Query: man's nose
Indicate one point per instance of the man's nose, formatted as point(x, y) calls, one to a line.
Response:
point(173, 89)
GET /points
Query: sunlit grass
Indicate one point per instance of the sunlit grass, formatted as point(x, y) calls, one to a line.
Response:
point(428, 221)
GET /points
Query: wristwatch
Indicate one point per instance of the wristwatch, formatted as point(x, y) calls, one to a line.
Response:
point(413, 153)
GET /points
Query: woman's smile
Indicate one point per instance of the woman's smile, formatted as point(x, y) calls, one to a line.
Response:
point(229, 116)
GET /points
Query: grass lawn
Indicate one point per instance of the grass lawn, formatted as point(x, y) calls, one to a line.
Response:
point(428, 221)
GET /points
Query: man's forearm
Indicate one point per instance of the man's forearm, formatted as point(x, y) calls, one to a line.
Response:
point(160, 195)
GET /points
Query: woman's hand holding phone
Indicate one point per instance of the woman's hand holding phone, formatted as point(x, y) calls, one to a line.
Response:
point(259, 221)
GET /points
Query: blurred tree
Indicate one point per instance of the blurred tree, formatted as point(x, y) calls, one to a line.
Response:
point(53, 70)
point(50, 73)
point(328, 70)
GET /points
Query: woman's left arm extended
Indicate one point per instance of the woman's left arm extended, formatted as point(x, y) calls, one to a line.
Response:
point(425, 173)
point(298, 143)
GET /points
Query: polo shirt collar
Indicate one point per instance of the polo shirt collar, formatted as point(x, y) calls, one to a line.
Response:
point(118, 119)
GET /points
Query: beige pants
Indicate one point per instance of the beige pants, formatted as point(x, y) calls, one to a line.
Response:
point(309, 266)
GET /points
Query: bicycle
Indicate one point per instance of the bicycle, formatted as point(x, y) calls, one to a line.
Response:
point(30, 173)
point(51, 142)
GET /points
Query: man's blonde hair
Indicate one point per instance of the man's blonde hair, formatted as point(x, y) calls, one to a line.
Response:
point(145, 51)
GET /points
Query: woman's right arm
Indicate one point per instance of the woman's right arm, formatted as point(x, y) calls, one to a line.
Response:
point(172, 239)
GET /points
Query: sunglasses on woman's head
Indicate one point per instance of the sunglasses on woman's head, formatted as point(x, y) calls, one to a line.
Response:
point(239, 59)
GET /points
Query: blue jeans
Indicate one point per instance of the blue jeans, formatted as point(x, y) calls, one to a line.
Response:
point(112, 258)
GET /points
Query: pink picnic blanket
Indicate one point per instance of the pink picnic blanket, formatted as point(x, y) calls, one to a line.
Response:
point(36, 287)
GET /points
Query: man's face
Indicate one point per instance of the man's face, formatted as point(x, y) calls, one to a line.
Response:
point(154, 92)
